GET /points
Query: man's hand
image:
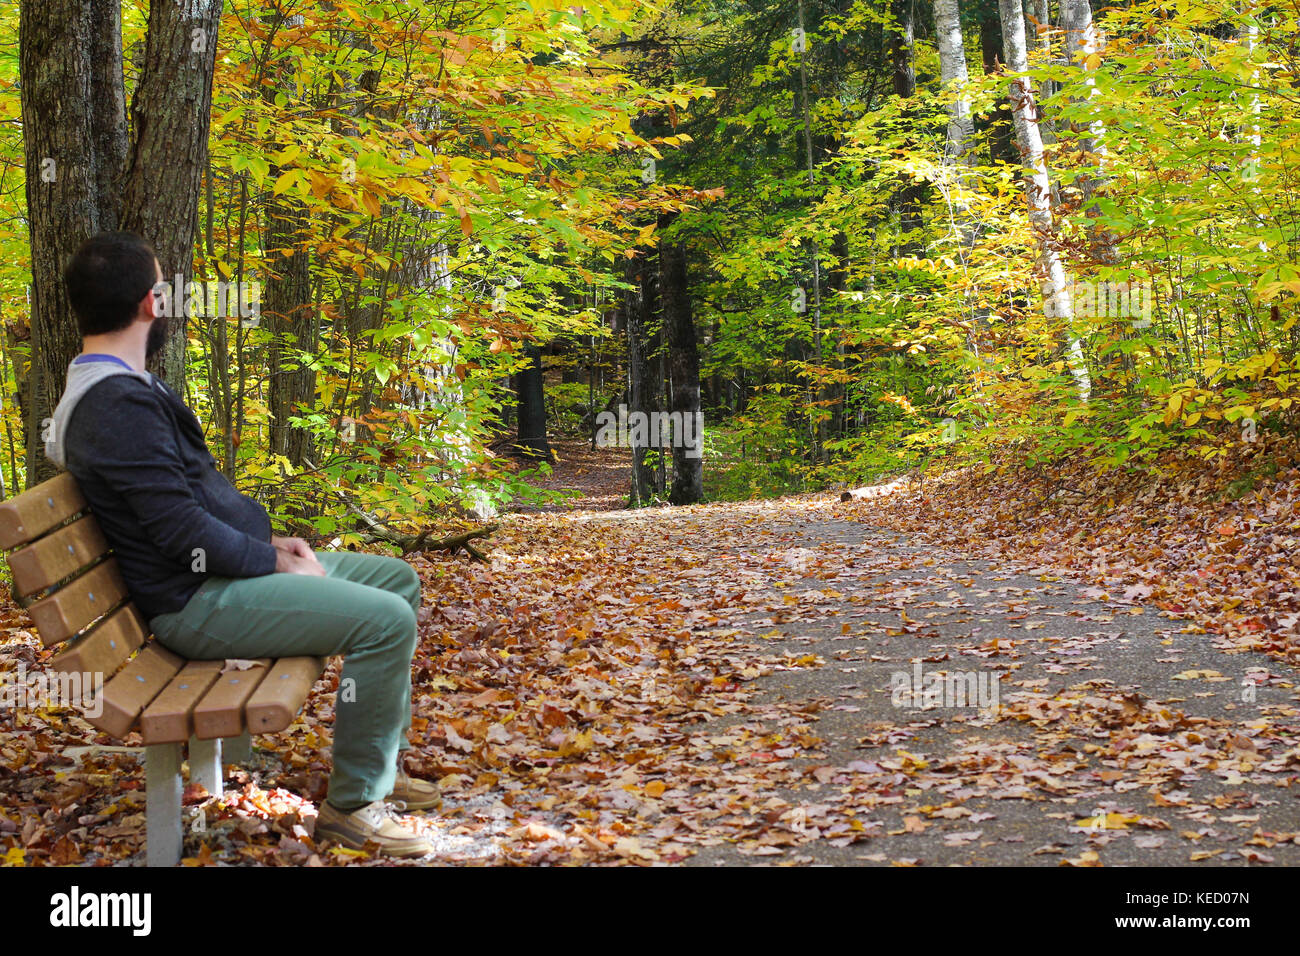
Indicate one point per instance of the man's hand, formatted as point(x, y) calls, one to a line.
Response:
point(288, 562)
point(293, 545)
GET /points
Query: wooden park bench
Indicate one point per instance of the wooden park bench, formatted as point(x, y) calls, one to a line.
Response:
point(65, 576)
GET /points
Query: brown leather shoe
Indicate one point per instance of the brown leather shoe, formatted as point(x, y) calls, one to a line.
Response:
point(376, 823)
point(412, 793)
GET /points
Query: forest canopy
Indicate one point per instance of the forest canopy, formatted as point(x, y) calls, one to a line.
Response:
point(852, 238)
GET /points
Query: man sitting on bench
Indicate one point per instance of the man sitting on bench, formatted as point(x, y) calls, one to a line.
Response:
point(201, 563)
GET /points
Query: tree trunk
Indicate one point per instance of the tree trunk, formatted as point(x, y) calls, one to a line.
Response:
point(109, 137)
point(172, 110)
point(75, 149)
point(287, 306)
point(1001, 133)
point(1038, 191)
point(907, 199)
point(1081, 42)
point(952, 71)
point(644, 383)
point(291, 322)
point(684, 361)
point(959, 152)
point(532, 406)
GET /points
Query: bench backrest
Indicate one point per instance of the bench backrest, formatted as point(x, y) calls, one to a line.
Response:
point(65, 575)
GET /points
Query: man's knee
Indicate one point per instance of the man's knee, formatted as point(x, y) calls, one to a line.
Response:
point(402, 579)
point(400, 623)
point(408, 582)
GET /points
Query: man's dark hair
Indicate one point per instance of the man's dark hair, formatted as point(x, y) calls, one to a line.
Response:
point(106, 279)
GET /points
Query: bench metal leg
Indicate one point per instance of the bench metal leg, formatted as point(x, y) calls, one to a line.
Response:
point(237, 749)
point(162, 804)
point(205, 765)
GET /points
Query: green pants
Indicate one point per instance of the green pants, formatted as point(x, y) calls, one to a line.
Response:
point(364, 609)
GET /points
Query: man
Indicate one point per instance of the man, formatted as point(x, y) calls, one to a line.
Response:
point(199, 558)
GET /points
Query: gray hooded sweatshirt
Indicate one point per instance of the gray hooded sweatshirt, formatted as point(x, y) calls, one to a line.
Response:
point(138, 454)
point(82, 377)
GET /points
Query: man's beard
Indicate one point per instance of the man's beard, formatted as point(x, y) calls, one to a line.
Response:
point(157, 337)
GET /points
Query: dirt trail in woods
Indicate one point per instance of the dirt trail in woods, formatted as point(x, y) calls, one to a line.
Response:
point(750, 683)
point(789, 714)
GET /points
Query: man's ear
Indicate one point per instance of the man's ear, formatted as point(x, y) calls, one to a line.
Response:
point(152, 306)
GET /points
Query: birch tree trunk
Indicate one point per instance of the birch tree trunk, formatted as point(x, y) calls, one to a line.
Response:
point(1081, 45)
point(952, 71)
point(958, 154)
point(1038, 192)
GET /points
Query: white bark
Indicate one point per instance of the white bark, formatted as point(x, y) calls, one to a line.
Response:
point(1081, 42)
point(1038, 191)
point(1043, 37)
point(953, 73)
point(1248, 35)
point(958, 152)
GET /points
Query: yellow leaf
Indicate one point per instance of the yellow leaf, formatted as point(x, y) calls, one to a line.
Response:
point(343, 851)
point(1108, 821)
point(576, 744)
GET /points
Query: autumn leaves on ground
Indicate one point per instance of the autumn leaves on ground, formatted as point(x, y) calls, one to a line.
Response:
point(749, 682)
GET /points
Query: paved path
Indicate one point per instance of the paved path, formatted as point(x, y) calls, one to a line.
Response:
point(1115, 737)
point(1109, 716)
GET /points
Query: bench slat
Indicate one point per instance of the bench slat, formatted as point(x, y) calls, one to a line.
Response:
point(158, 692)
point(27, 516)
point(139, 682)
point(67, 611)
point(107, 647)
point(280, 696)
point(170, 718)
point(56, 556)
point(221, 712)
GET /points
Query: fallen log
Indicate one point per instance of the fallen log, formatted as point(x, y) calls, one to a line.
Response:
point(413, 543)
point(416, 543)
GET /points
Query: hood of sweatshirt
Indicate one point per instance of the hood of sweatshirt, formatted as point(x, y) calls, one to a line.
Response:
point(81, 377)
